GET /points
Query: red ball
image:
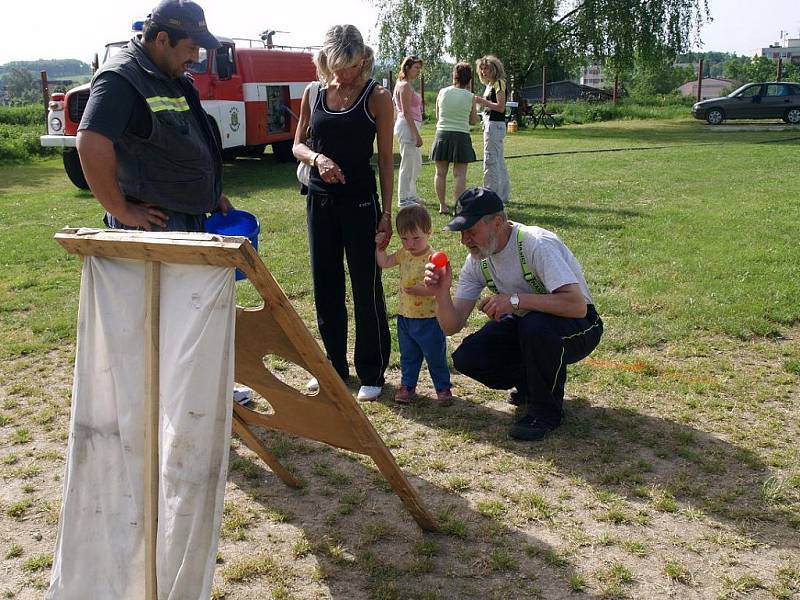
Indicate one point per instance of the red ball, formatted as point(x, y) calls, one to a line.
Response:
point(439, 259)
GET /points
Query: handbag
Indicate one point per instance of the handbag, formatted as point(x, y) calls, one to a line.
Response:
point(303, 168)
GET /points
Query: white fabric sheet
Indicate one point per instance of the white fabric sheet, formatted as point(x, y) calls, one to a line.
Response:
point(100, 546)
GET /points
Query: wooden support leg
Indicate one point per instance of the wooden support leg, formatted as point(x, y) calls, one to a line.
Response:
point(403, 488)
point(241, 429)
point(152, 291)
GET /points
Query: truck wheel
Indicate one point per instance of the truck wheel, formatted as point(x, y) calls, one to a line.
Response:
point(256, 151)
point(72, 165)
point(283, 151)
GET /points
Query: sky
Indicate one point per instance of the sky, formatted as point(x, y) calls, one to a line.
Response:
point(79, 28)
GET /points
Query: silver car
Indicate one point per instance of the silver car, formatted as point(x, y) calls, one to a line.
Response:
point(769, 100)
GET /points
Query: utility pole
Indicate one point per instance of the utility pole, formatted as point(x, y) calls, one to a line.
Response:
point(700, 81)
point(544, 85)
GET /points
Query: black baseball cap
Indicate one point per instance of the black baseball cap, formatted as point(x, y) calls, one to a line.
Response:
point(473, 204)
point(186, 16)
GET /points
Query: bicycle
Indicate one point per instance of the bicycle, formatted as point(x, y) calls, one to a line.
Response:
point(537, 114)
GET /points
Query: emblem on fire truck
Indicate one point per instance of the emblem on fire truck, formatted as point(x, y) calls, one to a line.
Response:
point(234, 118)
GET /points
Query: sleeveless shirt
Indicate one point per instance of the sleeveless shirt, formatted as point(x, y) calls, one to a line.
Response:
point(491, 95)
point(346, 137)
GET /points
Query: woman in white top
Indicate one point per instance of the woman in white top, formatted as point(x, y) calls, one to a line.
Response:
point(408, 104)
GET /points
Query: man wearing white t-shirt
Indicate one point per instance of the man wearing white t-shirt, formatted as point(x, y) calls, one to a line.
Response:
point(541, 311)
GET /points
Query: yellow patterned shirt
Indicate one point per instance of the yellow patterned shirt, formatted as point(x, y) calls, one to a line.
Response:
point(412, 272)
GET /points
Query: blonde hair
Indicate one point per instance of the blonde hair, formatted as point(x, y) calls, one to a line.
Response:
point(408, 62)
point(343, 46)
point(495, 66)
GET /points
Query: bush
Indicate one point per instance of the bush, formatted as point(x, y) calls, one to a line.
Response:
point(643, 107)
point(27, 114)
point(20, 128)
point(19, 143)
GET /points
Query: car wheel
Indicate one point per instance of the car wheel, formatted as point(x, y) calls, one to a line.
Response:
point(792, 116)
point(72, 165)
point(715, 116)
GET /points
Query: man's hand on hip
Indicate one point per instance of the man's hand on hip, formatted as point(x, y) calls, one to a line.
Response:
point(146, 216)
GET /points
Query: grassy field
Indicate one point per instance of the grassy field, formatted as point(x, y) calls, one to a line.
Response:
point(675, 474)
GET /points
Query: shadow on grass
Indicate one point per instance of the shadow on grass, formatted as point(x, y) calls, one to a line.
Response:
point(562, 217)
point(369, 546)
point(635, 456)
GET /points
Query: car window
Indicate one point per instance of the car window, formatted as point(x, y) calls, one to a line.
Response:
point(795, 90)
point(750, 92)
point(777, 89)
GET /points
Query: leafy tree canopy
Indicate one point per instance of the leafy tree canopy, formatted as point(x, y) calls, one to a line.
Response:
point(744, 70)
point(528, 33)
point(56, 68)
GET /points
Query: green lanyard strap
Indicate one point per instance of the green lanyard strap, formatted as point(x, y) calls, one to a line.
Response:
point(533, 281)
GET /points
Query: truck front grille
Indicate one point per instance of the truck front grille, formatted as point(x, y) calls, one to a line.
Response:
point(77, 104)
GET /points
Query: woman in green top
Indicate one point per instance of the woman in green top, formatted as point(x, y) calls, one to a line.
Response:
point(492, 75)
point(455, 112)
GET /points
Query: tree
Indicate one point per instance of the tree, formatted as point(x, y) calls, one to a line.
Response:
point(21, 86)
point(760, 68)
point(659, 78)
point(526, 34)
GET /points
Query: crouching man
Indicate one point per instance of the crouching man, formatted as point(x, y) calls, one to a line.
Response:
point(541, 313)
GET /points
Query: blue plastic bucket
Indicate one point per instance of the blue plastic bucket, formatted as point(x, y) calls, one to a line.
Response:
point(236, 222)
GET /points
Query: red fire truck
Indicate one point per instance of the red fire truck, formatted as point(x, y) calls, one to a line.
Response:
point(251, 95)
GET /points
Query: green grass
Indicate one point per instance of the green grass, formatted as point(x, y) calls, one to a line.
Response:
point(678, 454)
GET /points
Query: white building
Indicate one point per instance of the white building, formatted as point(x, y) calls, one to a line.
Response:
point(592, 75)
point(788, 49)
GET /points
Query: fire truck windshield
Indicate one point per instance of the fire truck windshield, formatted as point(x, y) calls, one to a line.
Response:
point(201, 66)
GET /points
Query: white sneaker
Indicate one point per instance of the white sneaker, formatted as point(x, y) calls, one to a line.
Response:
point(369, 392)
point(242, 394)
point(313, 385)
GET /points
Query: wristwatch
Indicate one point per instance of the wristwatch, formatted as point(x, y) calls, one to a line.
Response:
point(514, 299)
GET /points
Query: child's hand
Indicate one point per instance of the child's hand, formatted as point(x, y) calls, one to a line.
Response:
point(381, 240)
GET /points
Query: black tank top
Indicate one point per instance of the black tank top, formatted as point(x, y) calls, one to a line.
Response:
point(491, 95)
point(346, 137)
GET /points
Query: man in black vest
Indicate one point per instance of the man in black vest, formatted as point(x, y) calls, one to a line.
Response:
point(541, 314)
point(146, 146)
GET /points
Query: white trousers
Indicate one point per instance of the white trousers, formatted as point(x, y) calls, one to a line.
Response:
point(495, 174)
point(410, 161)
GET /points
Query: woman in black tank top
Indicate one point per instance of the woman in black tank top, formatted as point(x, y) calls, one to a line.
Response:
point(336, 137)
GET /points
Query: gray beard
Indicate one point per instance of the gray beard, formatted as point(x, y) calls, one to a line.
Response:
point(488, 250)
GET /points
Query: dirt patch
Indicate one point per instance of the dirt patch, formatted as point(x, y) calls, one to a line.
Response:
point(674, 475)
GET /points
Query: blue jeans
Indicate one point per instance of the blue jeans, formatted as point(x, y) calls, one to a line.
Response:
point(420, 338)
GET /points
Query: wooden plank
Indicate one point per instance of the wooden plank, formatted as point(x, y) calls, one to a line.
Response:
point(241, 429)
point(192, 249)
point(152, 297)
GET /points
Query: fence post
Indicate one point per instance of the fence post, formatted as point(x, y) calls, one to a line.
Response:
point(422, 92)
point(544, 85)
point(700, 81)
point(45, 97)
